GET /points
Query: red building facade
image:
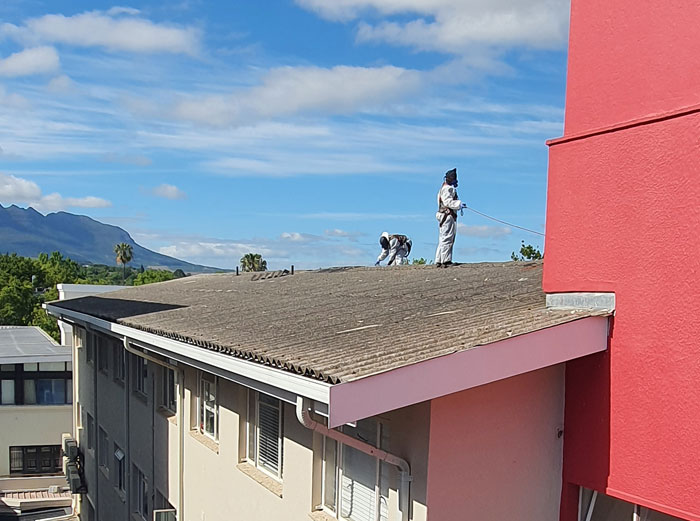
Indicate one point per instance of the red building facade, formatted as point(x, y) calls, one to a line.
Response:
point(623, 216)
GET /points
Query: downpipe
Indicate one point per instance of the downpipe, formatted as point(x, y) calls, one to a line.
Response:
point(303, 408)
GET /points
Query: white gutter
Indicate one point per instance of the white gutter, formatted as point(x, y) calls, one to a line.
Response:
point(303, 408)
point(275, 382)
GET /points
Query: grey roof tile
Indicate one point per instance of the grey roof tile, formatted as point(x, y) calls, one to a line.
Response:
point(339, 324)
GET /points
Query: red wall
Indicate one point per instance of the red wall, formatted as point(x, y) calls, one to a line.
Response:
point(623, 215)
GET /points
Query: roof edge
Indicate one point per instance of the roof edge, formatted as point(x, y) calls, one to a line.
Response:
point(464, 370)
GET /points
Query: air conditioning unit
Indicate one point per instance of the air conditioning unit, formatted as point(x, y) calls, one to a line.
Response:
point(165, 515)
point(70, 450)
point(73, 478)
point(54, 489)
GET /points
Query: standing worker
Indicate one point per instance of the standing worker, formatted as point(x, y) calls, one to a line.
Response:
point(448, 204)
point(396, 247)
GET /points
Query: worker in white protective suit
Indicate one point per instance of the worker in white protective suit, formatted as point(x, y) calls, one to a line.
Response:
point(448, 205)
point(396, 247)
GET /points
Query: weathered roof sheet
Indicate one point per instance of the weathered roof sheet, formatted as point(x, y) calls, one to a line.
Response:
point(339, 324)
point(21, 344)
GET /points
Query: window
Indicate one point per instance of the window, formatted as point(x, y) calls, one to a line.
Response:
point(103, 353)
point(103, 450)
point(169, 389)
point(45, 383)
point(90, 428)
point(90, 348)
point(140, 493)
point(119, 356)
point(600, 507)
point(354, 485)
point(264, 433)
point(35, 459)
point(140, 375)
point(208, 406)
point(119, 468)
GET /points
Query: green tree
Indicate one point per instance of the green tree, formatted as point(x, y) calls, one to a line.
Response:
point(17, 301)
point(253, 262)
point(151, 276)
point(527, 252)
point(125, 252)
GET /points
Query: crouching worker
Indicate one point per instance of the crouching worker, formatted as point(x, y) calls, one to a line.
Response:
point(448, 204)
point(396, 247)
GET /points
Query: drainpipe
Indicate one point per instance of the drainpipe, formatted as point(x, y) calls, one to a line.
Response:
point(180, 417)
point(304, 417)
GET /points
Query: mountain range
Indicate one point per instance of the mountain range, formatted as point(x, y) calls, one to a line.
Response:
point(28, 233)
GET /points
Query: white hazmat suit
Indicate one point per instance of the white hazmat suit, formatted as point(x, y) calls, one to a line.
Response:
point(447, 216)
point(399, 247)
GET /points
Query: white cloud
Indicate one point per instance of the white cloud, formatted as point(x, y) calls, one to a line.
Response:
point(61, 84)
point(55, 202)
point(351, 236)
point(453, 27)
point(109, 30)
point(482, 231)
point(299, 237)
point(37, 60)
point(287, 91)
point(167, 191)
point(117, 10)
point(13, 101)
point(205, 249)
point(17, 190)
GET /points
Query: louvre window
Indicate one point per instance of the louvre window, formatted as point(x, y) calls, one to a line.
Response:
point(141, 493)
point(140, 375)
point(119, 356)
point(354, 485)
point(264, 444)
point(595, 506)
point(103, 450)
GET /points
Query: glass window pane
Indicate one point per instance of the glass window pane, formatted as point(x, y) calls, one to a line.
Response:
point(50, 391)
point(69, 391)
point(16, 459)
point(69, 366)
point(7, 367)
point(330, 450)
point(269, 435)
point(610, 509)
point(31, 367)
point(251, 425)
point(52, 366)
point(209, 422)
point(29, 392)
point(7, 390)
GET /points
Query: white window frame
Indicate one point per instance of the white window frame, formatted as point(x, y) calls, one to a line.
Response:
point(208, 380)
point(253, 434)
point(337, 469)
point(168, 394)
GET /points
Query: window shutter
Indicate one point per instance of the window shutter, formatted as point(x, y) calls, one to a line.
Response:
point(358, 493)
point(269, 449)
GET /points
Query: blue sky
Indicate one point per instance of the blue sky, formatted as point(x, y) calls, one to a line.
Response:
point(297, 129)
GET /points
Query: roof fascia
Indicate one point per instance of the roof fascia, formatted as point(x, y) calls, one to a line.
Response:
point(473, 367)
point(281, 384)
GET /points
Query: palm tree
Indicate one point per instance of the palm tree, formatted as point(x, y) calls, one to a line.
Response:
point(253, 262)
point(125, 253)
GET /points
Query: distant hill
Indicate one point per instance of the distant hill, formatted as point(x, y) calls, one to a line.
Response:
point(85, 240)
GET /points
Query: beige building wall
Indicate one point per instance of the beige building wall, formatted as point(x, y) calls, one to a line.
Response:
point(216, 482)
point(23, 425)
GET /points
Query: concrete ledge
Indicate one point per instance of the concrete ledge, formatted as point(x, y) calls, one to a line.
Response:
point(597, 301)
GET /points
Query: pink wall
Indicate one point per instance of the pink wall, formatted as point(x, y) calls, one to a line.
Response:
point(623, 215)
point(494, 450)
point(630, 59)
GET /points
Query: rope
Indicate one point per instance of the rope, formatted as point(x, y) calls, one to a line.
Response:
point(503, 222)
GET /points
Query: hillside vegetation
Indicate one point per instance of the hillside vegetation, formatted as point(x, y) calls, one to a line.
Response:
point(26, 283)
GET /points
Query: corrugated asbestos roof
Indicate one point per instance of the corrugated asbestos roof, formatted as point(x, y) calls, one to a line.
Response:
point(339, 324)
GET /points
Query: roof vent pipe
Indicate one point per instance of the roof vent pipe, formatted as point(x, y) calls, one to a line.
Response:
point(304, 417)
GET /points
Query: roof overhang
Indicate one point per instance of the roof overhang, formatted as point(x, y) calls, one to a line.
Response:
point(348, 402)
